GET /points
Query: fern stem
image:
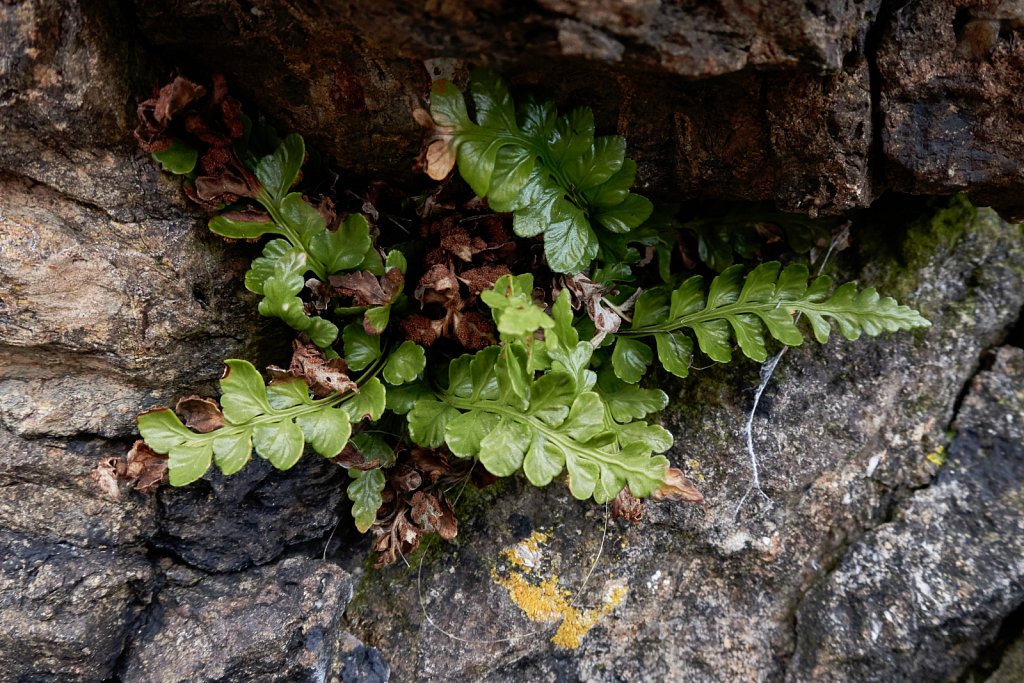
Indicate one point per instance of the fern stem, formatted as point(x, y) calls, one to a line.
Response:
point(319, 269)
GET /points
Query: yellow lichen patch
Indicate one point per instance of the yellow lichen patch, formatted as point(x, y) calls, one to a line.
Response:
point(695, 469)
point(543, 600)
point(527, 553)
point(938, 456)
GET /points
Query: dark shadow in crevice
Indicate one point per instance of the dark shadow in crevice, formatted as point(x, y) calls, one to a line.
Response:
point(990, 657)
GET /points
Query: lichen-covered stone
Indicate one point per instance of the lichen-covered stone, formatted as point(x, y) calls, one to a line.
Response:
point(114, 297)
point(915, 598)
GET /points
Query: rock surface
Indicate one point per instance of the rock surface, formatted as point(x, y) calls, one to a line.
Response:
point(66, 613)
point(950, 75)
point(844, 433)
point(914, 598)
point(230, 523)
point(754, 100)
point(113, 297)
point(274, 624)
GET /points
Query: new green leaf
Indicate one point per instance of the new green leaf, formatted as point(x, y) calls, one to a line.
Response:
point(738, 309)
point(550, 171)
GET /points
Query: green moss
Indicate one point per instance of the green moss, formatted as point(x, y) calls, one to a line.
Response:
point(940, 231)
point(473, 502)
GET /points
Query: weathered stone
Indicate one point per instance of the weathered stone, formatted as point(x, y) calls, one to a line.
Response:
point(843, 430)
point(46, 494)
point(951, 75)
point(782, 111)
point(347, 78)
point(114, 297)
point(356, 663)
point(917, 597)
point(70, 76)
point(100, 318)
point(226, 523)
point(273, 624)
point(697, 39)
point(66, 613)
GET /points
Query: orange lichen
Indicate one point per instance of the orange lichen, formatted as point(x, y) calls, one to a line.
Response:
point(544, 600)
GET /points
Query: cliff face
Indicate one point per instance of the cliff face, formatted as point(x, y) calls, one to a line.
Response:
point(887, 544)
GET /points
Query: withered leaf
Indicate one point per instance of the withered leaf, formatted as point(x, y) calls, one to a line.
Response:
point(368, 290)
point(323, 376)
point(627, 506)
point(200, 414)
point(174, 97)
point(404, 478)
point(431, 462)
point(438, 286)
point(155, 113)
point(475, 331)
point(106, 479)
point(433, 513)
point(408, 534)
point(143, 466)
point(230, 108)
point(421, 329)
point(224, 188)
point(456, 240)
point(351, 458)
point(321, 299)
point(591, 295)
point(482, 278)
point(439, 158)
point(147, 467)
point(678, 487)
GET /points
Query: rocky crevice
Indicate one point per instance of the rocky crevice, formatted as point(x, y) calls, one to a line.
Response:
point(113, 298)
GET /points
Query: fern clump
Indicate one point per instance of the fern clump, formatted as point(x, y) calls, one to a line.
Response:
point(417, 359)
point(550, 171)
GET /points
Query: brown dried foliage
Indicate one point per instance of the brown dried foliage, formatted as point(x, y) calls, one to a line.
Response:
point(323, 376)
point(211, 120)
point(468, 256)
point(415, 502)
point(142, 469)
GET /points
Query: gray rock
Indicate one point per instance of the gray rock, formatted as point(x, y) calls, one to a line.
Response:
point(917, 597)
point(100, 319)
point(66, 613)
point(273, 624)
point(354, 662)
point(46, 494)
point(843, 433)
point(228, 523)
point(113, 297)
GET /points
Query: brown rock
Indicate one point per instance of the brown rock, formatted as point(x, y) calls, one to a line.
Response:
point(952, 74)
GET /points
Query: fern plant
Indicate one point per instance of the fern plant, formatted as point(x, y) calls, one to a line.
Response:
point(742, 308)
point(537, 397)
point(550, 171)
